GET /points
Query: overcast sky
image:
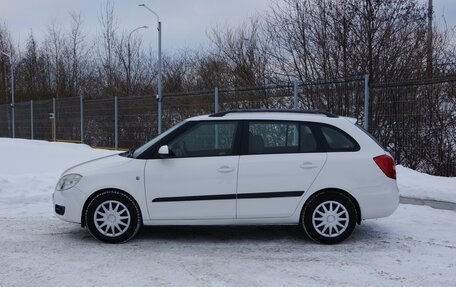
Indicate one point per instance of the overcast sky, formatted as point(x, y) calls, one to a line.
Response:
point(185, 22)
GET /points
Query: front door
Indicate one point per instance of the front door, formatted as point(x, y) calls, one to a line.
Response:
point(199, 180)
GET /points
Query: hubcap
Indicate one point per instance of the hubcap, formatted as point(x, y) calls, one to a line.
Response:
point(330, 219)
point(112, 218)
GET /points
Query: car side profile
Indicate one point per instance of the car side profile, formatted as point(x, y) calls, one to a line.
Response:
point(246, 167)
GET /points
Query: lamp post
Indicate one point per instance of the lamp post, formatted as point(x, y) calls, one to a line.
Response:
point(12, 93)
point(129, 58)
point(160, 87)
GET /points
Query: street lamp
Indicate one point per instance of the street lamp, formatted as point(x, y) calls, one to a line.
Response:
point(160, 87)
point(129, 58)
point(12, 93)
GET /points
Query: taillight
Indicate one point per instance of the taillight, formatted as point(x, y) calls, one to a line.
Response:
point(386, 164)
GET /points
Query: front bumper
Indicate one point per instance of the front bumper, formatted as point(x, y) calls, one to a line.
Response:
point(68, 204)
point(59, 210)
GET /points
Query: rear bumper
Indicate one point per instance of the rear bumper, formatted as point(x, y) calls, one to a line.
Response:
point(380, 201)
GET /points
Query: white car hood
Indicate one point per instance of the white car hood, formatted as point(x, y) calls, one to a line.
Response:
point(102, 163)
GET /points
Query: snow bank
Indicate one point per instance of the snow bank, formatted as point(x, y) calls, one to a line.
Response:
point(29, 171)
point(423, 186)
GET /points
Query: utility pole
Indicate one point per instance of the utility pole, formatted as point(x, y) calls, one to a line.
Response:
point(160, 83)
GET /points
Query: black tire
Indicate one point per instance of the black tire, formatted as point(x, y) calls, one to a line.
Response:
point(129, 226)
point(322, 228)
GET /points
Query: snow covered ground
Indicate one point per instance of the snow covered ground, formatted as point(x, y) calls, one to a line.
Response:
point(29, 171)
point(423, 186)
point(416, 246)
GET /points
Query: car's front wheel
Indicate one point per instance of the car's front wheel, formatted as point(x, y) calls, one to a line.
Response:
point(329, 217)
point(113, 217)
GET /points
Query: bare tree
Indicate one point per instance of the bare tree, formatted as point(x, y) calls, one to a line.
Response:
point(55, 48)
point(342, 38)
point(109, 27)
point(5, 46)
point(245, 51)
point(80, 52)
point(133, 62)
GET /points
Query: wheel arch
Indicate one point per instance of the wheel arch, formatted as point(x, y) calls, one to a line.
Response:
point(345, 193)
point(93, 195)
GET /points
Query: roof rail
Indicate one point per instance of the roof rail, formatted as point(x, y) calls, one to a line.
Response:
point(315, 112)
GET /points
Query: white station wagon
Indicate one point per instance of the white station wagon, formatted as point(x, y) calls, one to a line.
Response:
point(246, 167)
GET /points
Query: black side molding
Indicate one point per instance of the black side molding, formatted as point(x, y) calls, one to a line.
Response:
point(231, 196)
point(270, 194)
point(195, 198)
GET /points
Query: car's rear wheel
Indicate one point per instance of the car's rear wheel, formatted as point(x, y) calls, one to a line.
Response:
point(329, 217)
point(113, 217)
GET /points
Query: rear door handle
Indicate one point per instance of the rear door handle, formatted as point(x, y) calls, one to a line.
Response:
point(225, 169)
point(308, 165)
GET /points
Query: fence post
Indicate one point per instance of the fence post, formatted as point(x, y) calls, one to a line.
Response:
point(216, 94)
point(116, 134)
point(32, 132)
point(295, 95)
point(13, 103)
point(366, 102)
point(54, 121)
point(81, 108)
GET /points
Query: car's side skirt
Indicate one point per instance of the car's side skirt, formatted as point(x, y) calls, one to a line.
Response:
point(292, 220)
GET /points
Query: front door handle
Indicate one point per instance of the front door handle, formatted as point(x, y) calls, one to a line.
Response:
point(225, 169)
point(308, 165)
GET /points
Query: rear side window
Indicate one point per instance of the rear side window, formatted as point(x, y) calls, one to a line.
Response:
point(338, 140)
point(308, 141)
point(275, 137)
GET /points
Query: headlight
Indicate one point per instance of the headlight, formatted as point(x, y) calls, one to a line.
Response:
point(68, 181)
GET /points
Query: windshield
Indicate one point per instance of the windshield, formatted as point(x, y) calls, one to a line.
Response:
point(146, 146)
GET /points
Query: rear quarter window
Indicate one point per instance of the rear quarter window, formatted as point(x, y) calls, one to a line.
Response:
point(372, 137)
point(337, 140)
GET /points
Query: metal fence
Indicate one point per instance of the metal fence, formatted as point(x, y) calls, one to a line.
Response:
point(414, 120)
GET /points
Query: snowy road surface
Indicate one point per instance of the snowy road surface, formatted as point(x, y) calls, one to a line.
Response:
point(414, 247)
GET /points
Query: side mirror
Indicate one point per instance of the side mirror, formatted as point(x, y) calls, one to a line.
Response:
point(163, 151)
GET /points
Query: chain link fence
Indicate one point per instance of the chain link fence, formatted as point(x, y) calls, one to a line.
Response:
point(414, 120)
point(137, 121)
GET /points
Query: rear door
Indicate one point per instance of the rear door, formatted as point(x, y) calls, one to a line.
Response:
point(279, 162)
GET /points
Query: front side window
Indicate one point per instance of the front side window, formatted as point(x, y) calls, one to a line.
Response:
point(149, 144)
point(205, 139)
